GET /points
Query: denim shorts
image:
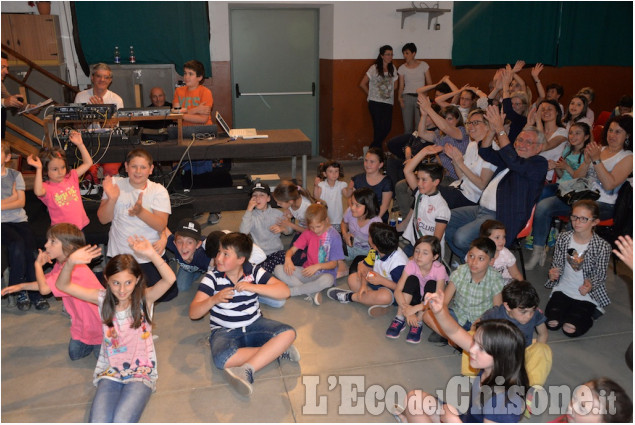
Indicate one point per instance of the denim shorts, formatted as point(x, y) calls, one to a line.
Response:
point(224, 342)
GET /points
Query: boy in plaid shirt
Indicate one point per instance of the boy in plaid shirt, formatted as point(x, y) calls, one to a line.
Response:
point(474, 288)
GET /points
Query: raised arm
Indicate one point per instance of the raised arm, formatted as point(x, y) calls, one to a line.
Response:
point(446, 322)
point(38, 185)
point(411, 166)
point(422, 131)
point(454, 94)
point(496, 121)
point(428, 87)
point(480, 180)
point(142, 247)
point(535, 74)
point(82, 255)
point(106, 211)
point(87, 161)
point(441, 123)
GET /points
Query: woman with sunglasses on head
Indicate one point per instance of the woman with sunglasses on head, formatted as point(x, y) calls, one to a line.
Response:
point(606, 168)
point(578, 273)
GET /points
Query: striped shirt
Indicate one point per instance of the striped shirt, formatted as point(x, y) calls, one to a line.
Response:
point(243, 309)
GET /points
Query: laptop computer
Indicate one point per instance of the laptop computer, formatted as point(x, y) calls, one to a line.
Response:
point(245, 133)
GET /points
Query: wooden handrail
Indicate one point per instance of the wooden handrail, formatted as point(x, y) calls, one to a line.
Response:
point(23, 133)
point(38, 68)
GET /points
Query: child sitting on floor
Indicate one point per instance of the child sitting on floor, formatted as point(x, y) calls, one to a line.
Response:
point(323, 246)
point(409, 294)
point(187, 246)
point(520, 306)
point(242, 340)
point(373, 281)
point(474, 288)
point(262, 223)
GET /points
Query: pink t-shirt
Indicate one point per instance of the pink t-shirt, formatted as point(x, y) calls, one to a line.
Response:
point(65, 202)
point(321, 248)
point(437, 272)
point(85, 321)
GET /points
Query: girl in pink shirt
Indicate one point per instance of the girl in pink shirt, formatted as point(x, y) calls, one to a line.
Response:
point(86, 333)
point(423, 267)
point(58, 188)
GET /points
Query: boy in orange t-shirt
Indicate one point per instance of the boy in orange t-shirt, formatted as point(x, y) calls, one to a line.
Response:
point(195, 101)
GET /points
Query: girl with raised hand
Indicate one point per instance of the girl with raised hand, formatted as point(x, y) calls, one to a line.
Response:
point(58, 187)
point(497, 348)
point(126, 370)
point(62, 240)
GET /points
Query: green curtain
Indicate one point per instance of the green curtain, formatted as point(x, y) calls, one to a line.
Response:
point(596, 33)
point(554, 33)
point(161, 32)
point(496, 33)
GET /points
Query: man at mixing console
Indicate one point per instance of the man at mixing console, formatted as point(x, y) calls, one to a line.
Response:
point(101, 77)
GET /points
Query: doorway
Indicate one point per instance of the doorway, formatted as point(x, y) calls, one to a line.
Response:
point(274, 69)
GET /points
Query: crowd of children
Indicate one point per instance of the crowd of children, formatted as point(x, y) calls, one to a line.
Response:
point(483, 307)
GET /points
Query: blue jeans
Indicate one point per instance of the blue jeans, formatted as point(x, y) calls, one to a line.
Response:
point(224, 342)
point(78, 350)
point(184, 279)
point(548, 191)
point(271, 302)
point(552, 207)
point(464, 226)
point(118, 402)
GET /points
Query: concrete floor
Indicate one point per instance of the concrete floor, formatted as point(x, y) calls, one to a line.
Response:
point(341, 346)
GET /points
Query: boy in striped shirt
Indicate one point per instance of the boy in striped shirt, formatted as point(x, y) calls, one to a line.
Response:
point(242, 340)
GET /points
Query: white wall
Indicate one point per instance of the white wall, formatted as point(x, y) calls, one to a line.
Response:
point(348, 29)
point(360, 28)
point(353, 30)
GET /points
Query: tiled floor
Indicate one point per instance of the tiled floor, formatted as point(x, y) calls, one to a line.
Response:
point(346, 365)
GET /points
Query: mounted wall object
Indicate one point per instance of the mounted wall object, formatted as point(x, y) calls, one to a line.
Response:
point(433, 12)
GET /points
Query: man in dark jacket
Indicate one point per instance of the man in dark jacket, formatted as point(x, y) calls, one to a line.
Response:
point(513, 191)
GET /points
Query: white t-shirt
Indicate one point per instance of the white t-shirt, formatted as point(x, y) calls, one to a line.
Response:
point(155, 198)
point(505, 260)
point(573, 276)
point(475, 163)
point(381, 89)
point(609, 197)
point(109, 97)
point(428, 211)
point(300, 213)
point(488, 198)
point(413, 77)
point(555, 153)
point(333, 198)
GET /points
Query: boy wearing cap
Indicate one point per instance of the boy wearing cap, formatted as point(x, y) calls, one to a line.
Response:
point(258, 220)
point(187, 246)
